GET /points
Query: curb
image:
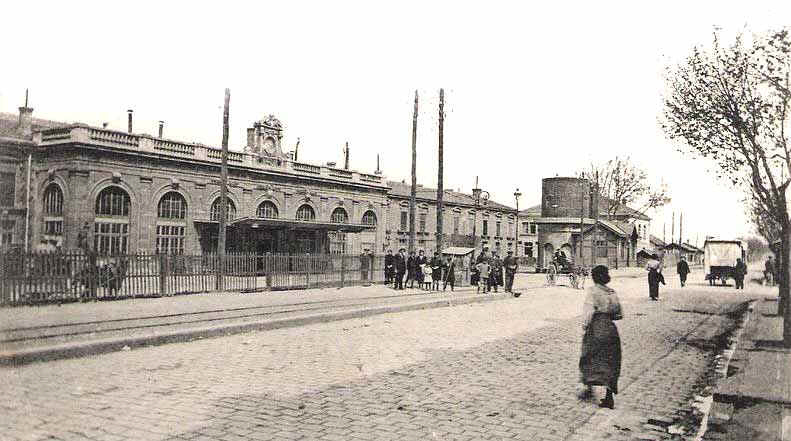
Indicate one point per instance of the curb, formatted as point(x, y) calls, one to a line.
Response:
point(103, 346)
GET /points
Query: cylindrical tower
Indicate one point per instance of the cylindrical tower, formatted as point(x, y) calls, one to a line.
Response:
point(565, 197)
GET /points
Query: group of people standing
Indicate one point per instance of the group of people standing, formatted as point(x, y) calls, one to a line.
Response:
point(401, 270)
point(488, 271)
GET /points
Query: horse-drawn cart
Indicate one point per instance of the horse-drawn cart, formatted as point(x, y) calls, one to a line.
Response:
point(563, 270)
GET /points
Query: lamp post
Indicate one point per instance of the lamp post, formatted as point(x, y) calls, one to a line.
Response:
point(517, 195)
point(477, 194)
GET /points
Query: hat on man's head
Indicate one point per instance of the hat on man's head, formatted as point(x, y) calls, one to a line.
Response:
point(401, 249)
point(510, 252)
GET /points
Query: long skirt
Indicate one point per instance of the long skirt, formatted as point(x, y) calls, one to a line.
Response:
point(600, 359)
point(653, 284)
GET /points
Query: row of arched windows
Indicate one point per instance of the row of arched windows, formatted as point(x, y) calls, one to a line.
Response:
point(113, 206)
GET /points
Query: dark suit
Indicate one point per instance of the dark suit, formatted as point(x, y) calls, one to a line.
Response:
point(389, 268)
point(682, 268)
point(400, 269)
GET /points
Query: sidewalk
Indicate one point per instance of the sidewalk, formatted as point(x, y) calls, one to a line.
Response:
point(754, 402)
point(38, 333)
point(48, 332)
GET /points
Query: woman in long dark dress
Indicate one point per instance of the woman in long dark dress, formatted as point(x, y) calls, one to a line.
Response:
point(655, 276)
point(600, 359)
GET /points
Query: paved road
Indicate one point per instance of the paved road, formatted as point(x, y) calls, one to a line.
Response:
point(499, 370)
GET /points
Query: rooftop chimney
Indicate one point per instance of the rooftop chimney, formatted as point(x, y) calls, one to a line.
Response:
point(161, 126)
point(105, 124)
point(25, 126)
point(130, 120)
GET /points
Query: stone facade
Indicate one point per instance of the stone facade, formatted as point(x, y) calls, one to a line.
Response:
point(124, 192)
point(490, 224)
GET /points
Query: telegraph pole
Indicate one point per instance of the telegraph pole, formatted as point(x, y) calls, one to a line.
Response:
point(440, 191)
point(223, 192)
point(413, 195)
point(680, 227)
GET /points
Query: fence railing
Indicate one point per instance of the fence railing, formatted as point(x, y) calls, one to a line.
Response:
point(61, 277)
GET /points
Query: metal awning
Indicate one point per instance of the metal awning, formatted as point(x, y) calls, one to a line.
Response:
point(255, 222)
point(458, 251)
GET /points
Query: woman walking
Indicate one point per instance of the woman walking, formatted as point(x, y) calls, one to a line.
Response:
point(655, 276)
point(600, 359)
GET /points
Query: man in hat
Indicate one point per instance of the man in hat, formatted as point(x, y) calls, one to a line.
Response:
point(510, 265)
point(682, 268)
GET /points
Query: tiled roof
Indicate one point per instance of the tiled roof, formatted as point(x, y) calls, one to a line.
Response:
point(622, 210)
point(403, 190)
point(656, 241)
point(535, 210)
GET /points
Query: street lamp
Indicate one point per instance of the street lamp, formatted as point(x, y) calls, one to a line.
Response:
point(477, 194)
point(517, 195)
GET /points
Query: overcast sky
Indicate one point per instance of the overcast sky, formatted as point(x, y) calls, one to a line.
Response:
point(533, 89)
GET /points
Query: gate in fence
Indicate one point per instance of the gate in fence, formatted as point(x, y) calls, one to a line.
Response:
point(27, 278)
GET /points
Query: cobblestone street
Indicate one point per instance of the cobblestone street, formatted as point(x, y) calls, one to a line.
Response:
point(496, 370)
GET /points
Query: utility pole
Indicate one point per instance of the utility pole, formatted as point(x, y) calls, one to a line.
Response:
point(582, 218)
point(595, 208)
point(664, 238)
point(440, 190)
point(680, 227)
point(673, 228)
point(223, 192)
point(413, 195)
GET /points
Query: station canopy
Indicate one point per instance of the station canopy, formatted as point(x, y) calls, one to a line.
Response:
point(458, 251)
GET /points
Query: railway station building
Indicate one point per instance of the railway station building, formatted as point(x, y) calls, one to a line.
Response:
point(126, 192)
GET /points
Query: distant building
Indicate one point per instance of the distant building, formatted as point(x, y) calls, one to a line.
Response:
point(565, 221)
point(492, 225)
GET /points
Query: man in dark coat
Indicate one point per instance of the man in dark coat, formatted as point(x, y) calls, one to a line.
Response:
point(738, 273)
point(450, 273)
point(510, 265)
point(411, 269)
point(436, 271)
point(389, 267)
point(400, 269)
point(682, 268)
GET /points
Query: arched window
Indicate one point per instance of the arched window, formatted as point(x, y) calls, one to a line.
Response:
point(214, 214)
point(369, 218)
point(305, 212)
point(172, 211)
point(53, 200)
point(53, 211)
point(111, 226)
point(267, 209)
point(113, 201)
point(172, 206)
point(339, 216)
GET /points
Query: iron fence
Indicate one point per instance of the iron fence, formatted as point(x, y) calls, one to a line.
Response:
point(30, 278)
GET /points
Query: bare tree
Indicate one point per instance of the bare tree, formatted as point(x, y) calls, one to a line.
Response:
point(730, 104)
point(762, 221)
point(622, 183)
point(756, 248)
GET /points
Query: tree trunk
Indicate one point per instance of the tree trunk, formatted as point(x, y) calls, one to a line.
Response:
point(784, 273)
